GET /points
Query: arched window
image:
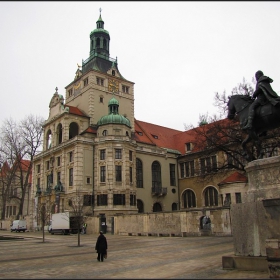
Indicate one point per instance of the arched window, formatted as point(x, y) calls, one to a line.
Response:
point(139, 173)
point(59, 134)
point(140, 206)
point(156, 175)
point(104, 132)
point(211, 196)
point(157, 207)
point(189, 200)
point(174, 206)
point(104, 44)
point(49, 140)
point(73, 130)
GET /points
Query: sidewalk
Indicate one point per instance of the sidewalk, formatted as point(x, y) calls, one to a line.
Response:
point(129, 257)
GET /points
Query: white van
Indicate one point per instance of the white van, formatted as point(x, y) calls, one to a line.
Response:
point(18, 225)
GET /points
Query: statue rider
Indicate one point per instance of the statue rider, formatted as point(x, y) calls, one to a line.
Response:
point(262, 94)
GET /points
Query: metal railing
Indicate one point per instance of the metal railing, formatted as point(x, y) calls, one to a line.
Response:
point(159, 190)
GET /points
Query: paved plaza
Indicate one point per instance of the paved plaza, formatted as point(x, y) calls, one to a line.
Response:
point(129, 257)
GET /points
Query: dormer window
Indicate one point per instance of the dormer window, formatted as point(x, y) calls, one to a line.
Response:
point(155, 136)
point(189, 146)
point(140, 133)
point(113, 73)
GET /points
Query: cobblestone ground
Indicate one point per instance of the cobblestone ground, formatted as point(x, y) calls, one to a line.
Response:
point(129, 257)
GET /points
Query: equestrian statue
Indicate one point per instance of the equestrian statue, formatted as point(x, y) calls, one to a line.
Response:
point(256, 114)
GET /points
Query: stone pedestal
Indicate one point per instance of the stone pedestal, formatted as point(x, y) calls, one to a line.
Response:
point(250, 220)
point(256, 221)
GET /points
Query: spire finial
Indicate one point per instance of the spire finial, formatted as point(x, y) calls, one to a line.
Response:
point(100, 10)
point(56, 89)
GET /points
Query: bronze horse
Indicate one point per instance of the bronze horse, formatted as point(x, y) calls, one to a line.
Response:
point(267, 117)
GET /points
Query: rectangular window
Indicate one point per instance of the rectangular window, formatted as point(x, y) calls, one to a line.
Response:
point(172, 174)
point(102, 200)
point(182, 170)
point(214, 163)
point(70, 156)
point(118, 153)
point(49, 180)
point(88, 180)
point(119, 199)
point(102, 154)
point(58, 161)
point(238, 198)
point(132, 200)
point(101, 99)
point(85, 82)
point(188, 147)
point(103, 174)
point(208, 165)
point(130, 155)
point(48, 165)
point(130, 174)
point(38, 168)
point(58, 177)
point(71, 177)
point(38, 182)
point(70, 92)
point(118, 169)
point(227, 200)
point(189, 168)
point(88, 200)
point(100, 81)
point(125, 89)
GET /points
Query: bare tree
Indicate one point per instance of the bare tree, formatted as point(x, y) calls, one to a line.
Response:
point(19, 143)
point(226, 136)
point(76, 203)
point(44, 211)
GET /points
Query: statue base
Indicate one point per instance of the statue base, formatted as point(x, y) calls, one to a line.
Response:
point(256, 220)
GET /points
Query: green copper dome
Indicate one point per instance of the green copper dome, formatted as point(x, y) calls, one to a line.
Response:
point(113, 101)
point(113, 116)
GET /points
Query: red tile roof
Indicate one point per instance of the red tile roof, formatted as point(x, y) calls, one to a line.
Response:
point(75, 111)
point(155, 135)
point(90, 130)
point(174, 139)
point(235, 177)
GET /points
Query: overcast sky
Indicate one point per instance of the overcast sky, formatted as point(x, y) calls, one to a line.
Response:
point(178, 54)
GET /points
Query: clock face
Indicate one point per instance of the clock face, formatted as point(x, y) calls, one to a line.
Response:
point(113, 85)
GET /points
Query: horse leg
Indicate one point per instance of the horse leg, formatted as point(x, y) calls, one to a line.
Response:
point(243, 145)
point(258, 143)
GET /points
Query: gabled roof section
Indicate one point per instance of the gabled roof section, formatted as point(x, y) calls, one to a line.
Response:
point(160, 136)
point(76, 111)
point(235, 177)
point(90, 130)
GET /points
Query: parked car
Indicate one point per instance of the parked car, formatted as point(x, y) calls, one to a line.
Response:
point(18, 225)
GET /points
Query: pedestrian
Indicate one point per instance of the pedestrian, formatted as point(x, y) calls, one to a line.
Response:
point(101, 246)
point(85, 228)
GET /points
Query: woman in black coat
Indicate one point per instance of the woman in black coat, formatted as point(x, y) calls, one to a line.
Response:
point(101, 246)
